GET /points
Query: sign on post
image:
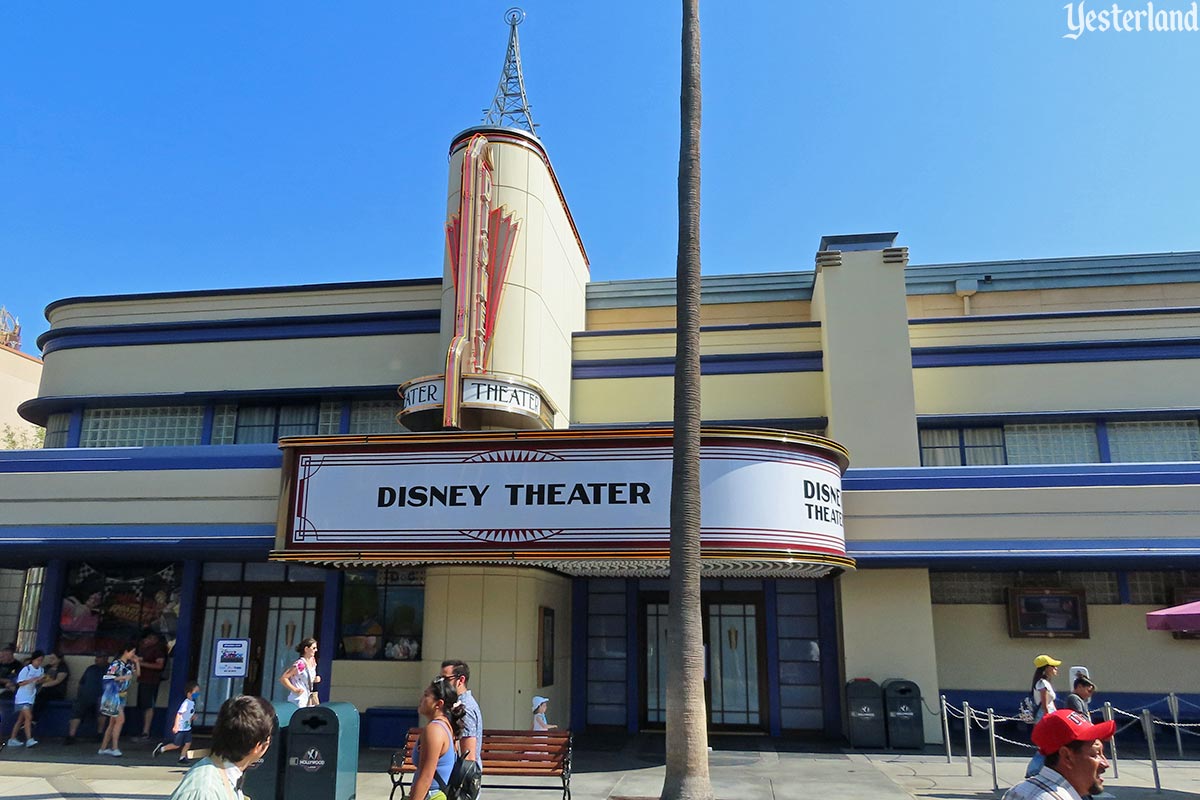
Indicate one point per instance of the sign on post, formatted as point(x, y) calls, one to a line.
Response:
point(231, 658)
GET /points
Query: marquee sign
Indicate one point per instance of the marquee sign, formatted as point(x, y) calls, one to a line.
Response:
point(559, 497)
point(496, 392)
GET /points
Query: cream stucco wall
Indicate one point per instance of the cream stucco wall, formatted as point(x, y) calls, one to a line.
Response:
point(245, 365)
point(1034, 301)
point(777, 395)
point(1057, 514)
point(887, 631)
point(166, 497)
point(367, 684)
point(19, 378)
point(859, 299)
point(975, 652)
point(632, 318)
point(1056, 387)
point(488, 617)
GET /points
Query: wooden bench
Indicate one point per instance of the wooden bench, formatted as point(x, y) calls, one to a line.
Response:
point(541, 754)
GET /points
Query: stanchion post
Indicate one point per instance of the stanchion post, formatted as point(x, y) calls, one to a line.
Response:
point(992, 741)
point(1173, 704)
point(1108, 715)
point(946, 729)
point(967, 734)
point(1148, 727)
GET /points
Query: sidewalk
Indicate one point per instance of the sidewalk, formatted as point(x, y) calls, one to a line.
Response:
point(741, 768)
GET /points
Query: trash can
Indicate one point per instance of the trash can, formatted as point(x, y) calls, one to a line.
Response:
point(902, 700)
point(322, 753)
point(865, 704)
point(264, 778)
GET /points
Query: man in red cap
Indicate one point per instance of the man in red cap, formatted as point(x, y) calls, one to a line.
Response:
point(1075, 761)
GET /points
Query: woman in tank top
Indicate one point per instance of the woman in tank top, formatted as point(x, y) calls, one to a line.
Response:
point(435, 752)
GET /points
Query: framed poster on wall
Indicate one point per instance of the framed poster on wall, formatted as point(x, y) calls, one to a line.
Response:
point(1047, 613)
point(545, 665)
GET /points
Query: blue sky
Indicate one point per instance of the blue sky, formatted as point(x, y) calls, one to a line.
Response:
point(163, 146)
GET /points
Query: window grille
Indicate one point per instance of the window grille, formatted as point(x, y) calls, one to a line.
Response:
point(1158, 440)
point(330, 421)
point(375, 416)
point(142, 427)
point(1068, 443)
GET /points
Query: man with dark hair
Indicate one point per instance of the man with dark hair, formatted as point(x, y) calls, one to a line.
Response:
point(472, 736)
point(1081, 695)
point(1075, 762)
point(152, 650)
point(240, 737)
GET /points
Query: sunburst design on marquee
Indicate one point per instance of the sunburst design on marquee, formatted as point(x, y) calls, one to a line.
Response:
point(513, 456)
point(514, 536)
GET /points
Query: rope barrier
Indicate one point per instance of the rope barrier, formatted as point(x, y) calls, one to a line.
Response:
point(1018, 744)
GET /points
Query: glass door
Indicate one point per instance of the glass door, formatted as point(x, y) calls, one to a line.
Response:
point(734, 688)
point(274, 617)
point(734, 682)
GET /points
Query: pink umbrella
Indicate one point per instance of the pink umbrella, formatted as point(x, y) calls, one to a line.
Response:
point(1176, 618)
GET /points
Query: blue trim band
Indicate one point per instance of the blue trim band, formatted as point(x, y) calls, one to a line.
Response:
point(1021, 477)
point(718, 364)
point(1054, 553)
point(1042, 315)
point(127, 459)
point(1056, 353)
point(757, 326)
point(241, 330)
point(35, 544)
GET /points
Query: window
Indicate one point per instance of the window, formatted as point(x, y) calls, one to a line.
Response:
point(267, 424)
point(142, 427)
point(224, 424)
point(106, 605)
point(375, 416)
point(58, 427)
point(1067, 443)
point(988, 588)
point(31, 607)
point(330, 421)
point(382, 614)
point(1165, 440)
point(607, 640)
point(956, 447)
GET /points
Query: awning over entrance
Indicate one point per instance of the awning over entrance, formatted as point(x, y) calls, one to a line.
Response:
point(590, 502)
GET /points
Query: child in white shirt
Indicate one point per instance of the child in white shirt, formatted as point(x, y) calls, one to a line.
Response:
point(30, 677)
point(539, 714)
point(182, 728)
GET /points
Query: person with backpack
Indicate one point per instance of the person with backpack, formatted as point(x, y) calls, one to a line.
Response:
point(1045, 668)
point(436, 752)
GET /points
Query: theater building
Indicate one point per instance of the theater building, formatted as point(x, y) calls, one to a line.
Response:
point(931, 472)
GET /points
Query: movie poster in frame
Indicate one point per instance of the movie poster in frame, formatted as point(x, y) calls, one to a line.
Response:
point(1047, 613)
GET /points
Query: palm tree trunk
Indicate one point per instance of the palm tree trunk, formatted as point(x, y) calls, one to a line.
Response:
point(687, 719)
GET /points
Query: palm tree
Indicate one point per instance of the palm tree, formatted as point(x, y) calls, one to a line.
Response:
point(687, 719)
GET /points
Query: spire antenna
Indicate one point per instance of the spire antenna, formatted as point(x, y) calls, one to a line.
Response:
point(510, 107)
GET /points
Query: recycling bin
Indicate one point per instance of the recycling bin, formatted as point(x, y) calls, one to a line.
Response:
point(264, 778)
point(902, 703)
point(865, 704)
point(322, 753)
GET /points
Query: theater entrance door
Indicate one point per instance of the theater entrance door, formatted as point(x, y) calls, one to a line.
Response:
point(734, 669)
point(274, 617)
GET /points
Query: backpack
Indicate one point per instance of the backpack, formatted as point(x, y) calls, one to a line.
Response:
point(464, 781)
point(1027, 712)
